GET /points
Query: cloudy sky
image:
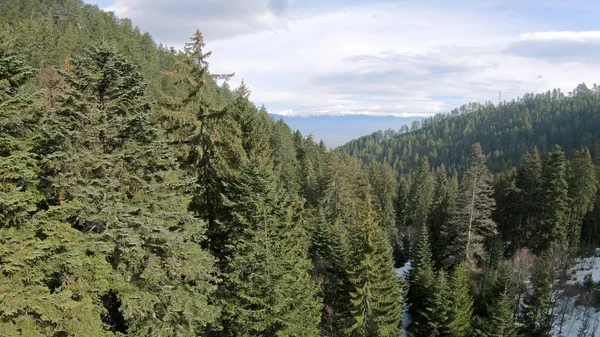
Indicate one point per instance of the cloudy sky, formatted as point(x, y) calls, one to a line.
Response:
point(381, 58)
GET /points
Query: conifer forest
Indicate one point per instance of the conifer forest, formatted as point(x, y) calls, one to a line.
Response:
point(142, 195)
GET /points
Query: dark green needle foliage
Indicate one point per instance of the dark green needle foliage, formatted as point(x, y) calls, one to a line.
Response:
point(141, 195)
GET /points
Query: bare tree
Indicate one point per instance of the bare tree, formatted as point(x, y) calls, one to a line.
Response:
point(522, 264)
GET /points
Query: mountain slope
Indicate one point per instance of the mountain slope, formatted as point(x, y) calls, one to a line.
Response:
point(505, 132)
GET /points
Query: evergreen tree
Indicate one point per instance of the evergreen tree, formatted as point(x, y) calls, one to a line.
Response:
point(421, 281)
point(472, 223)
point(211, 139)
point(420, 196)
point(507, 196)
point(50, 276)
point(439, 307)
point(18, 164)
point(500, 322)
point(376, 302)
point(530, 208)
point(461, 310)
point(443, 199)
point(112, 178)
point(554, 222)
point(400, 244)
point(329, 254)
point(284, 157)
point(537, 318)
point(266, 288)
point(383, 181)
point(583, 187)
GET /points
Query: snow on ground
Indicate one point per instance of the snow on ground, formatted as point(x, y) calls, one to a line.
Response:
point(401, 272)
point(587, 266)
point(575, 316)
point(578, 316)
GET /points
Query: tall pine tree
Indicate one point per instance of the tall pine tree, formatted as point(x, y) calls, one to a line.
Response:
point(440, 214)
point(472, 222)
point(376, 302)
point(266, 287)
point(113, 178)
point(421, 282)
point(554, 220)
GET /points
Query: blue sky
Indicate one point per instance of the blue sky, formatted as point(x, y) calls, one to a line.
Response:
point(367, 61)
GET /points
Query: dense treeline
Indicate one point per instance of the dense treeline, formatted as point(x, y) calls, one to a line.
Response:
point(507, 241)
point(491, 253)
point(507, 131)
point(141, 196)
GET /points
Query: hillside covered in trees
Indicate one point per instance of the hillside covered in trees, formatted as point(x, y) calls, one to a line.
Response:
point(507, 131)
point(141, 195)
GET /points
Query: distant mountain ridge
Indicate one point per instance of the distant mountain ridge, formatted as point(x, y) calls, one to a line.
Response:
point(505, 131)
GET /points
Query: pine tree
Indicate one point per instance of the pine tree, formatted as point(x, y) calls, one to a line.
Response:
point(443, 199)
point(554, 220)
point(420, 196)
point(18, 164)
point(383, 180)
point(421, 281)
point(439, 307)
point(500, 322)
point(537, 318)
point(400, 245)
point(267, 287)
point(112, 177)
point(330, 260)
point(376, 302)
point(285, 158)
point(583, 187)
point(472, 220)
point(529, 180)
point(205, 136)
point(461, 310)
point(50, 276)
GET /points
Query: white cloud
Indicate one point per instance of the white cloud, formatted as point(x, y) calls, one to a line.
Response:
point(174, 21)
point(579, 36)
point(399, 58)
point(559, 46)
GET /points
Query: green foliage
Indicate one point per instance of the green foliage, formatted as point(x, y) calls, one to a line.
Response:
point(439, 307)
point(197, 214)
point(113, 179)
point(508, 131)
point(400, 244)
point(537, 318)
point(420, 196)
point(472, 223)
point(267, 288)
point(461, 310)
point(440, 215)
point(500, 322)
point(330, 256)
point(554, 223)
point(382, 179)
point(421, 283)
point(375, 295)
point(18, 164)
point(583, 188)
point(52, 282)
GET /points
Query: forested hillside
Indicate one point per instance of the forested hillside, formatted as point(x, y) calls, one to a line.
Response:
point(506, 131)
point(140, 195)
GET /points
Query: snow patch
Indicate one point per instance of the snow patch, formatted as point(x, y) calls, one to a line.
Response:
point(402, 272)
point(578, 317)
